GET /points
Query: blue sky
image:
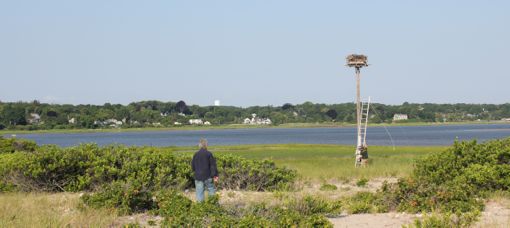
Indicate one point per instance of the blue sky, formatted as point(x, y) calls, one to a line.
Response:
point(247, 53)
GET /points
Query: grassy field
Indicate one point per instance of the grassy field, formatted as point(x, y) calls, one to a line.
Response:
point(326, 162)
point(50, 210)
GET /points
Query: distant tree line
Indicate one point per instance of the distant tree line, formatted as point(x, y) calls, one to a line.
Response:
point(35, 115)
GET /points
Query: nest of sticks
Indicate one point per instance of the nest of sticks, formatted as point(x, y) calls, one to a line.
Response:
point(357, 60)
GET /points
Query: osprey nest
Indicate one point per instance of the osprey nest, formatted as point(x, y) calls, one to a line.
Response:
point(357, 60)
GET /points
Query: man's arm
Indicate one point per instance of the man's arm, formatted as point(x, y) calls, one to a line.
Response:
point(213, 167)
point(193, 163)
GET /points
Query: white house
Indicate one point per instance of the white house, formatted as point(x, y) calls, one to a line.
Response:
point(72, 121)
point(207, 123)
point(177, 123)
point(196, 122)
point(257, 121)
point(34, 118)
point(399, 116)
point(109, 122)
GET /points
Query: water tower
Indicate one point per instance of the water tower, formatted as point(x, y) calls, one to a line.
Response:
point(362, 107)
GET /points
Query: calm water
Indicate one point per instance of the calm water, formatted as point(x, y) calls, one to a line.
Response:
point(400, 135)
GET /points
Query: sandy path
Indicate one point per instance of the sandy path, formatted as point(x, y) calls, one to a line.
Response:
point(496, 214)
point(373, 220)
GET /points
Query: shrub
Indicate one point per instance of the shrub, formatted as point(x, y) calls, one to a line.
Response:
point(126, 197)
point(211, 214)
point(328, 187)
point(10, 145)
point(453, 182)
point(88, 166)
point(361, 202)
point(446, 220)
point(317, 220)
point(362, 182)
point(237, 173)
point(171, 203)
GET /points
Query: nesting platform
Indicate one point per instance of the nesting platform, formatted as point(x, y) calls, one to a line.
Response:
point(357, 60)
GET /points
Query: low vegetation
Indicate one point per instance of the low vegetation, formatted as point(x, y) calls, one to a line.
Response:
point(88, 167)
point(449, 185)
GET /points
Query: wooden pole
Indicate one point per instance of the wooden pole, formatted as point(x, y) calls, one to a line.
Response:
point(358, 106)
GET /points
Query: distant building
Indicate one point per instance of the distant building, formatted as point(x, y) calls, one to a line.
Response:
point(217, 103)
point(257, 121)
point(399, 116)
point(506, 119)
point(72, 121)
point(34, 118)
point(196, 122)
point(177, 123)
point(109, 122)
point(207, 123)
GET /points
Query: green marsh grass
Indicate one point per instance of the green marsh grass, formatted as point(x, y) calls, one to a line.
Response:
point(324, 162)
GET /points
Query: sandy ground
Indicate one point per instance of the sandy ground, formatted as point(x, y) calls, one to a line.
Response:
point(374, 220)
point(496, 214)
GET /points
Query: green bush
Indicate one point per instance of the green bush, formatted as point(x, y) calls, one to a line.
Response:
point(171, 203)
point(88, 167)
point(237, 173)
point(184, 213)
point(362, 202)
point(328, 187)
point(317, 220)
point(453, 181)
point(310, 205)
point(127, 198)
point(10, 145)
point(446, 220)
point(362, 182)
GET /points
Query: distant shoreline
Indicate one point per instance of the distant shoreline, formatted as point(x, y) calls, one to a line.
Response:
point(239, 126)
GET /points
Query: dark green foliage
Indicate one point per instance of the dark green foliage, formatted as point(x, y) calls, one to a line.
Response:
point(88, 166)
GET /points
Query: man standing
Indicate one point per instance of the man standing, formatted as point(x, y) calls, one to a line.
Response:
point(204, 167)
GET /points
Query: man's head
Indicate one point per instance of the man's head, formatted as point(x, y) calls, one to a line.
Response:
point(202, 144)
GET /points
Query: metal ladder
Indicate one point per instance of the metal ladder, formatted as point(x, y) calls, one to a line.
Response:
point(365, 106)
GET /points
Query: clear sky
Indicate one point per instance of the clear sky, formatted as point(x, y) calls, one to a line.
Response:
point(247, 53)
